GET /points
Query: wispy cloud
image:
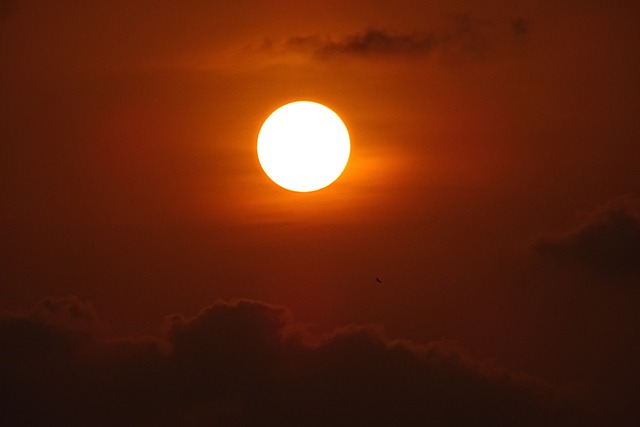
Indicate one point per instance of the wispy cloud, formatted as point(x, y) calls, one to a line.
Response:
point(463, 34)
point(370, 42)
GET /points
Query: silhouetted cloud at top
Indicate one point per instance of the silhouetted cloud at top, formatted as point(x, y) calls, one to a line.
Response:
point(464, 34)
point(370, 42)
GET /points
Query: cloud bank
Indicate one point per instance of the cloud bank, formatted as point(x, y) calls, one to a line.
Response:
point(607, 243)
point(247, 363)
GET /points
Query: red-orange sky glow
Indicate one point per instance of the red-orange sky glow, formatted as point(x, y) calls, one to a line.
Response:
point(493, 186)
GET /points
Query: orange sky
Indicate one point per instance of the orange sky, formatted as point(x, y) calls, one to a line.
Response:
point(478, 128)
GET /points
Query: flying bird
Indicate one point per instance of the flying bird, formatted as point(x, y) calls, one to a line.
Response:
point(378, 280)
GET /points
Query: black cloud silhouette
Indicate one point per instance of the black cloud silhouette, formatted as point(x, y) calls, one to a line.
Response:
point(247, 363)
point(370, 42)
point(608, 243)
point(464, 35)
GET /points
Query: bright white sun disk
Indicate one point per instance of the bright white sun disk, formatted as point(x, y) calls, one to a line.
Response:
point(303, 146)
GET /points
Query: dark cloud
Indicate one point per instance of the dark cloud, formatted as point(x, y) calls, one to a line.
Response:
point(248, 363)
point(607, 243)
point(464, 35)
point(370, 42)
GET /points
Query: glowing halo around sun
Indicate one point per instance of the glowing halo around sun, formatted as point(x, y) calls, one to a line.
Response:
point(303, 146)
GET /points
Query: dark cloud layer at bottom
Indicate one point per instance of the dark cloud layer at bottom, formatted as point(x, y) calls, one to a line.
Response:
point(248, 363)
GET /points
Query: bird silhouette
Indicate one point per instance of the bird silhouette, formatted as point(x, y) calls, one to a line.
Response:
point(378, 280)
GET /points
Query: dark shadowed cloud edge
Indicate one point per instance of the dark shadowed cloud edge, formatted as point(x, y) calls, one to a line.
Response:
point(248, 363)
point(607, 242)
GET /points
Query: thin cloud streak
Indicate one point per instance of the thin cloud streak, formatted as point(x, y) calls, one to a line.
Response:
point(370, 42)
point(464, 35)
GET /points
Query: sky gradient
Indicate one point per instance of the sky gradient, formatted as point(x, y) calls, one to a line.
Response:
point(493, 186)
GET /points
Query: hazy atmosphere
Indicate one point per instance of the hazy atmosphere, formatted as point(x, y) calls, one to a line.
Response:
point(477, 262)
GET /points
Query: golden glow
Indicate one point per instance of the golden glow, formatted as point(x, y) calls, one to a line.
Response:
point(303, 146)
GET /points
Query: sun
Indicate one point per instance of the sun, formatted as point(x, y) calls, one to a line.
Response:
point(303, 146)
